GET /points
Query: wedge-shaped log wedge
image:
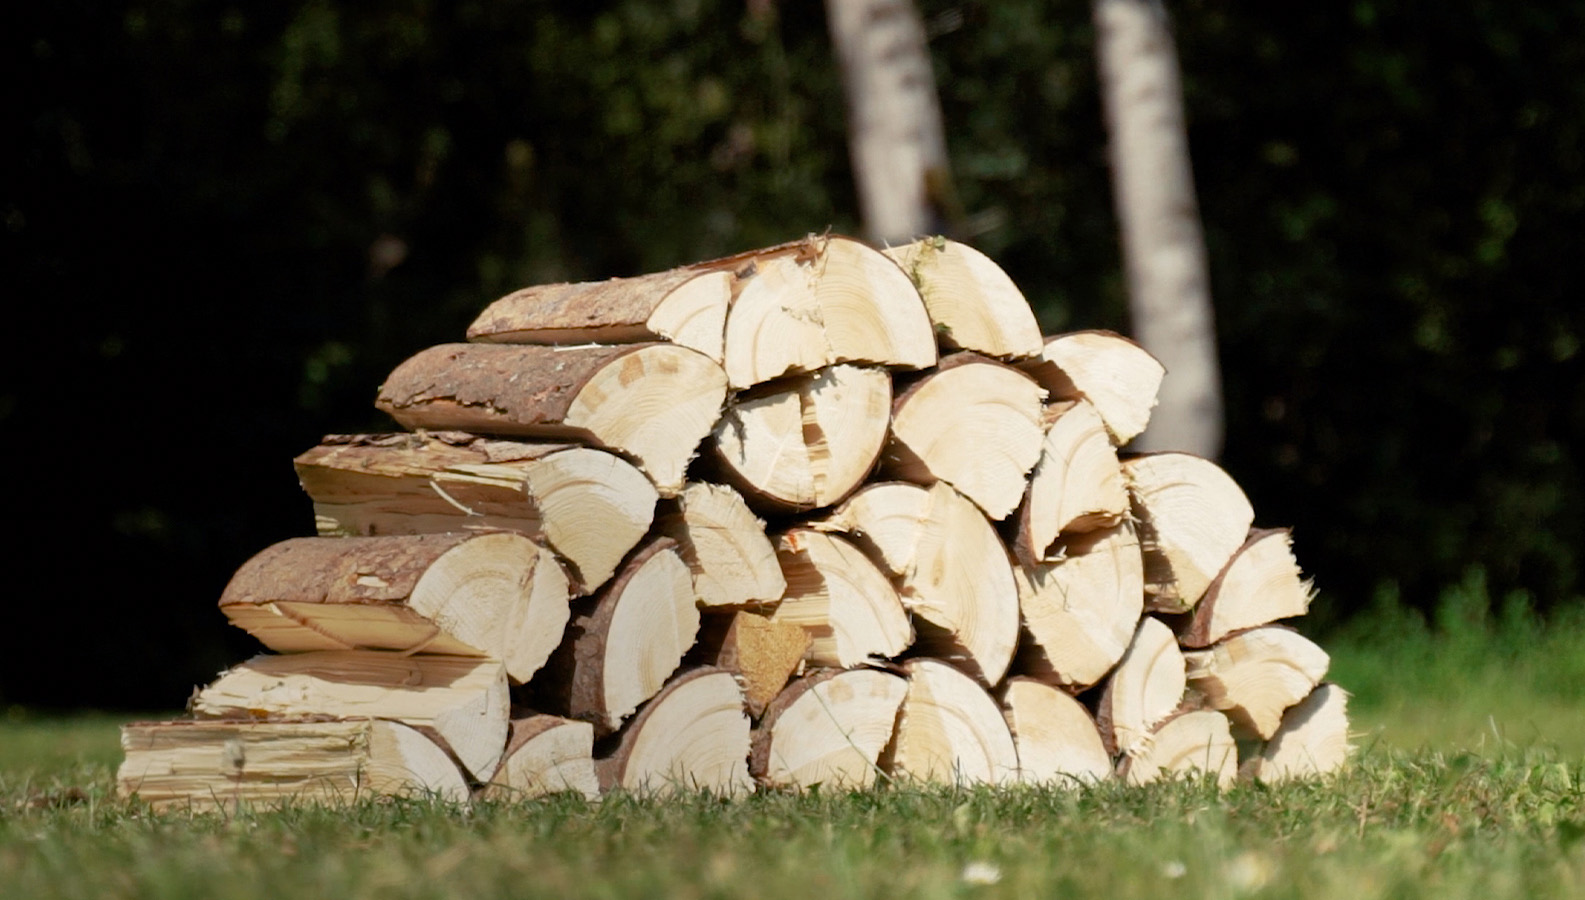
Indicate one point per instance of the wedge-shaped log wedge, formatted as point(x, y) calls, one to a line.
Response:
point(807, 305)
point(685, 306)
point(590, 506)
point(653, 402)
point(973, 304)
point(1255, 675)
point(546, 755)
point(499, 595)
point(949, 730)
point(725, 546)
point(462, 700)
point(841, 598)
point(1080, 614)
point(828, 728)
point(693, 736)
point(1192, 518)
point(216, 764)
point(808, 440)
point(1115, 374)
point(1057, 739)
point(973, 423)
point(1312, 740)
point(1077, 486)
point(1189, 744)
point(1260, 585)
point(1146, 688)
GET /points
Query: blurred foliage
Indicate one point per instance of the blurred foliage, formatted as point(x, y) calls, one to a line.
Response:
point(222, 224)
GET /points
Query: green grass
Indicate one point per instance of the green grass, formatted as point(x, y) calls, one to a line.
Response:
point(1468, 784)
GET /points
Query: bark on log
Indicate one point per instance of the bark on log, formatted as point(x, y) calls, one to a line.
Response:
point(693, 736)
point(213, 764)
point(725, 546)
point(1192, 518)
point(949, 730)
point(828, 728)
point(1260, 585)
point(1080, 614)
point(1057, 740)
point(653, 402)
point(685, 306)
point(971, 301)
point(589, 506)
point(462, 700)
point(808, 440)
point(546, 755)
point(497, 595)
point(973, 423)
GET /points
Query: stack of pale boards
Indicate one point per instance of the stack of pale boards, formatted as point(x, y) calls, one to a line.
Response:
point(818, 514)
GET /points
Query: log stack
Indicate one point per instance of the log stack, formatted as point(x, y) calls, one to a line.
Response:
point(816, 514)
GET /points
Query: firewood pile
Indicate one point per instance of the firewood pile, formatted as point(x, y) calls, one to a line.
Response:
point(817, 514)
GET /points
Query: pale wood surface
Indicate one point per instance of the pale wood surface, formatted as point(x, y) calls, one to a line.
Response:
point(694, 735)
point(546, 755)
point(1057, 739)
point(949, 731)
point(725, 546)
point(827, 728)
point(1192, 518)
point(1119, 377)
point(1193, 744)
point(1077, 485)
point(1146, 688)
point(1080, 614)
point(1312, 740)
point(1260, 585)
point(763, 653)
point(844, 601)
point(972, 302)
point(1255, 675)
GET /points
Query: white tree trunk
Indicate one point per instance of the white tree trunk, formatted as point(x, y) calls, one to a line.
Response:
point(1163, 249)
point(897, 146)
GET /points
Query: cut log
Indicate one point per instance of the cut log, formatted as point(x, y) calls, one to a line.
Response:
point(949, 730)
point(1080, 614)
point(828, 728)
point(590, 506)
point(1194, 743)
point(973, 423)
point(1192, 518)
point(684, 306)
point(845, 603)
point(1115, 374)
point(764, 654)
point(216, 764)
point(1145, 689)
point(1057, 740)
point(1077, 486)
point(971, 301)
point(499, 595)
point(829, 300)
point(653, 402)
point(725, 546)
point(1255, 675)
point(462, 700)
point(806, 441)
point(950, 567)
point(693, 736)
point(546, 755)
point(631, 640)
point(1260, 585)
point(1313, 738)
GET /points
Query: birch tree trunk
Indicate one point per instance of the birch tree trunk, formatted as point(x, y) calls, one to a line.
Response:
point(1163, 249)
point(895, 135)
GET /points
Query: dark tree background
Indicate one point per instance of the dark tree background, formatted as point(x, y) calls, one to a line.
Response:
point(221, 225)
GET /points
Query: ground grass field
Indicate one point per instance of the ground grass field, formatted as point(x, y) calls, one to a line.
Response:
point(1467, 784)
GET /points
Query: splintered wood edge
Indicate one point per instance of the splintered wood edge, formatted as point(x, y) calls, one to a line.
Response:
point(972, 302)
point(725, 546)
point(845, 601)
point(1193, 742)
point(841, 720)
point(1192, 518)
point(1081, 613)
point(1255, 675)
point(1261, 584)
point(1116, 374)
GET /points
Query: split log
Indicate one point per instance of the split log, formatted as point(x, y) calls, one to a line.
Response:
point(653, 402)
point(1198, 742)
point(1313, 738)
point(685, 306)
point(949, 730)
point(1077, 486)
point(499, 595)
point(845, 603)
point(1080, 614)
point(950, 568)
point(589, 506)
point(634, 636)
point(546, 755)
point(1057, 740)
point(974, 423)
point(764, 654)
point(804, 306)
point(1255, 675)
point(808, 440)
point(725, 546)
point(693, 736)
point(1260, 585)
point(971, 301)
point(462, 700)
point(1147, 687)
point(1192, 518)
point(828, 728)
point(217, 764)
point(1119, 377)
